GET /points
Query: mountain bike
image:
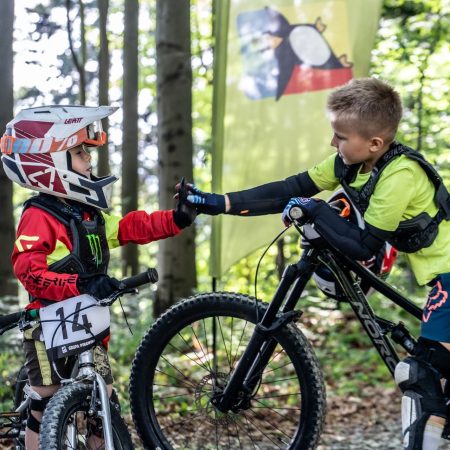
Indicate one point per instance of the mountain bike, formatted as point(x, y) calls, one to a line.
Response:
point(80, 414)
point(226, 371)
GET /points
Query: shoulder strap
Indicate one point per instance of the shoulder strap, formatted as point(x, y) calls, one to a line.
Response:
point(442, 196)
point(53, 206)
point(346, 174)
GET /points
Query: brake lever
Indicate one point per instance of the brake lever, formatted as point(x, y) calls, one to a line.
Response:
point(108, 301)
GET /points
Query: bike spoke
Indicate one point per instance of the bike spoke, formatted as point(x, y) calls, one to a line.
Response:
point(179, 371)
point(249, 425)
point(279, 380)
point(239, 344)
point(201, 347)
point(187, 356)
point(182, 382)
point(237, 434)
point(224, 344)
point(275, 427)
point(206, 341)
point(261, 431)
point(276, 396)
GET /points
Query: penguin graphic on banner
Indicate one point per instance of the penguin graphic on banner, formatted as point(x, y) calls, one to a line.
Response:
point(282, 58)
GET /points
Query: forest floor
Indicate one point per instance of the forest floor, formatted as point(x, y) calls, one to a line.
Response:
point(372, 422)
point(353, 423)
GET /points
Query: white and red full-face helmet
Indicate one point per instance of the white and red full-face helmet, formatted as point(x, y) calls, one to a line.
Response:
point(380, 264)
point(35, 151)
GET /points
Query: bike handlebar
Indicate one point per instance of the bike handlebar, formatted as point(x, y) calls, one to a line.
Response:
point(9, 321)
point(296, 213)
point(149, 276)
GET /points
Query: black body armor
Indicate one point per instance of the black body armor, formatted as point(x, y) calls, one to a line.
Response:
point(412, 234)
point(90, 250)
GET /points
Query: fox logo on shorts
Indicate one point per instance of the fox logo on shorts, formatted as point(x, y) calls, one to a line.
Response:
point(436, 299)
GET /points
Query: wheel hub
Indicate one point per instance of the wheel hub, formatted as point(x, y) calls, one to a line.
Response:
point(209, 387)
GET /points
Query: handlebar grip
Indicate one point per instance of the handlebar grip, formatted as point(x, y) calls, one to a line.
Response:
point(10, 319)
point(149, 276)
point(296, 213)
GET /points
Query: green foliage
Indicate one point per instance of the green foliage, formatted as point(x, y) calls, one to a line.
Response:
point(123, 344)
point(411, 53)
point(10, 364)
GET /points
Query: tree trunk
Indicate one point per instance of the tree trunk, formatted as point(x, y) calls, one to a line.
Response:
point(130, 130)
point(83, 54)
point(103, 81)
point(174, 104)
point(78, 63)
point(8, 285)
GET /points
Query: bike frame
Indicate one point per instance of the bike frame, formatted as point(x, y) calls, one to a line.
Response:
point(280, 311)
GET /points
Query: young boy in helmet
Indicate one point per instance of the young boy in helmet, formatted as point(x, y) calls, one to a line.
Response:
point(46, 149)
point(403, 201)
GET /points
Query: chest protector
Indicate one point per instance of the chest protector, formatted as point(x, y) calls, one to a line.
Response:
point(412, 234)
point(90, 251)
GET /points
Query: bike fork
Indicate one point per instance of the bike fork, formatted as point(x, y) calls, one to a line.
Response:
point(261, 346)
point(86, 361)
point(105, 412)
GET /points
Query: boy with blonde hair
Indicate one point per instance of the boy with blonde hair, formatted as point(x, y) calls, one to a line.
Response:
point(403, 201)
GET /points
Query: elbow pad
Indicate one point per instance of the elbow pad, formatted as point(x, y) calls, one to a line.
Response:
point(359, 244)
point(271, 198)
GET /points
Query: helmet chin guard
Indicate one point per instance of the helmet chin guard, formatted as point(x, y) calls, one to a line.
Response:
point(34, 151)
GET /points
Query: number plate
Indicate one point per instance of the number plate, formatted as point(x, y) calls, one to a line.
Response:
point(73, 326)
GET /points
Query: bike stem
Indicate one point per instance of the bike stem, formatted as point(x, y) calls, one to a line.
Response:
point(261, 346)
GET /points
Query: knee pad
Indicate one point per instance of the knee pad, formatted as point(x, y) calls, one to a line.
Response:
point(434, 353)
point(422, 397)
point(36, 405)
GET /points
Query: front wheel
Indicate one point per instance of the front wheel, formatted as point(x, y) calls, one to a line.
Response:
point(66, 424)
point(186, 359)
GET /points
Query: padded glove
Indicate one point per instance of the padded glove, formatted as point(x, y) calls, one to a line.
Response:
point(184, 213)
point(99, 285)
point(211, 204)
point(306, 204)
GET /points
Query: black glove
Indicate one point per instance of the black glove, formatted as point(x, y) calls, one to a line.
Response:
point(184, 213)
point(204, 202)
point(99, 285)
point(306, 204)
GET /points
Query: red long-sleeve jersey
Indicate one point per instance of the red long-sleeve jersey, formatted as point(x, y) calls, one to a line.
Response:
point(42, 240)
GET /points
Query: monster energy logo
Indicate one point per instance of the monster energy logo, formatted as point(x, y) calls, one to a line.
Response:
point(96, 249)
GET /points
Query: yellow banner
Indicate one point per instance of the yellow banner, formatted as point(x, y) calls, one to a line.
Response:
point(275, 66)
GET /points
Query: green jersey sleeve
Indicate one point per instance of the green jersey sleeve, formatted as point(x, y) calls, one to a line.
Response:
point(323, 174)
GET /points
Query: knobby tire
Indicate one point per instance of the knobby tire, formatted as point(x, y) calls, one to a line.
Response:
point(60, 411)
point(175, 374)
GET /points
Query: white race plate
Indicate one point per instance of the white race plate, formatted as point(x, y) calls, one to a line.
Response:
point(74, 325)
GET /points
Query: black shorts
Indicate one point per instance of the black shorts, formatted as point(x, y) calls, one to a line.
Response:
point(41, 371)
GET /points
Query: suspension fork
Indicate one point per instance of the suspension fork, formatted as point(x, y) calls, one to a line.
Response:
point(261, 346)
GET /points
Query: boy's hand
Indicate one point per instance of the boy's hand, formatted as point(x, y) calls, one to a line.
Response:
point(206, 203)
point(184, 213)
point(306, 204)
point(99, 286)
